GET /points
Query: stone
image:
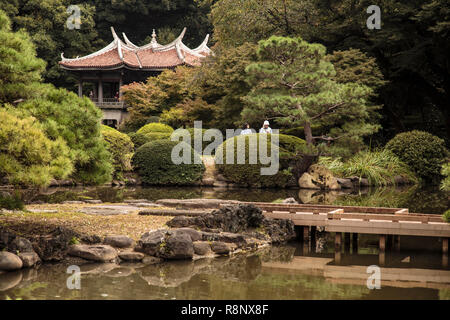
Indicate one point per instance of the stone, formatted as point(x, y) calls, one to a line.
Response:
point(345, 183)
point(220, 247)
point(177, 246)
point(290, 200)
point(119, 241)
point(306, 182)
point(131, 256)
point(194, 234)
point(73, 202)
point(136, 201)
point(100, 253)
point(151, 241)
point(201, 248)
point(29, 259)
point(53, 247)
point(93, 201)
point(20, 244)
point(9, 261)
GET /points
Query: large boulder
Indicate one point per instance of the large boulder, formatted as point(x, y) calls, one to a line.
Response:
point(201, 248)
point(177, 246)
point(29, 259)
point(168, 244)
point(119, 241)
point(9, 261)
point(220, 247)
point(318, 177)
point(131, 256)
point(100, 253)
point(20, 244)
point(232, 218)
point(53, 247)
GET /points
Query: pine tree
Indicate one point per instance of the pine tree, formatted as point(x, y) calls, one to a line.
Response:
point(293, 83)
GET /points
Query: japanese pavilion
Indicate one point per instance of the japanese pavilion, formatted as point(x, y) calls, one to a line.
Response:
point(124, 62)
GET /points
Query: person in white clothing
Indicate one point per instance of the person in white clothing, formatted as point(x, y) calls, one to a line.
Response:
point(246, 129)
point(265, 128)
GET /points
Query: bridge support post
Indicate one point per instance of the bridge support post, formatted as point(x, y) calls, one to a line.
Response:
point(337, 247)
point(305, 234)
point(346, 242)
point(445, 252)
point(382, 250)
point(313, 238)
point(355, 243)
point(397, 243)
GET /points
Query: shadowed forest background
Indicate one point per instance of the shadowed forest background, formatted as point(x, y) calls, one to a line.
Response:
point(411, 49)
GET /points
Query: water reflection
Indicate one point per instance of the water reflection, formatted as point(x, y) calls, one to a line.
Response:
point(272, 273)
point(417, 199)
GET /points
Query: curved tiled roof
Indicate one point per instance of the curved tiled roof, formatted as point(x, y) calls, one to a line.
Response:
point(152, 56)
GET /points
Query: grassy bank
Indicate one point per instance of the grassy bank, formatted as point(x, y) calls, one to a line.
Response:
point(31, 224)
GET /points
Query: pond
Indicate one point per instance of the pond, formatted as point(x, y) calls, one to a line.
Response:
point(286, 272)
point(273, 273)
point(417, 199)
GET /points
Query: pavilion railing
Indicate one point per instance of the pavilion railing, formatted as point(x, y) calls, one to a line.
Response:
point(109, 103)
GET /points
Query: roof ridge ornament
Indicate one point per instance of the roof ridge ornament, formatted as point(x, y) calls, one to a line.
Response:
point(116, 38)
point(128, 42)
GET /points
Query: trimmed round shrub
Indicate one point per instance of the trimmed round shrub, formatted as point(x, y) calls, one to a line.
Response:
point(153, 163)
point(155, 127)
point(140, 139)
point(423, 152)
point(121, 148)
point(250, 174)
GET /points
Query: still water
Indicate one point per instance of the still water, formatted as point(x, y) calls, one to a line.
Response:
point(292, 271)
point(273, 273)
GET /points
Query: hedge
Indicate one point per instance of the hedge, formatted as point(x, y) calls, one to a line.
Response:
point(153, 163)
point(155, 127)
point(121, 148)
point(423, 152)
point(250, 174)
point(140, 139)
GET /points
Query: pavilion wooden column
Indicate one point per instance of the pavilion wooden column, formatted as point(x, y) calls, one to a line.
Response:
point(100, 90)
point(120, 86)
point(80, 87)
point(337, 247)
point(445, 252)
point(355, 243)
point(382, 250)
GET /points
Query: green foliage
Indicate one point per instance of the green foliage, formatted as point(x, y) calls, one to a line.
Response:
point(153, 163)
point(292, 83)
point(121, 148)
point(250, 174)
point(379, 167)
point(140, 139)
point(13, 202)
point(19, 67)
point(421, 151)
point(446, 216)
point(445, 184)
point(76, 120)
point(155, 127)
point(27, 155)
point(150, 98)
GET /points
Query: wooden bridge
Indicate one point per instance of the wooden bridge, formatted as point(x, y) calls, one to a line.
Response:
point(388, 223)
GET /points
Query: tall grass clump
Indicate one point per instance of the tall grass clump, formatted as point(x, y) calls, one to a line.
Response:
point(445, 184)
point(380, 167)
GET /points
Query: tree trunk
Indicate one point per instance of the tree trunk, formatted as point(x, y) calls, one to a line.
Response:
point(308, 133)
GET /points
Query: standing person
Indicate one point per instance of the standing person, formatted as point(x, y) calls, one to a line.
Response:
point(265, 128)
point(246, 129)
